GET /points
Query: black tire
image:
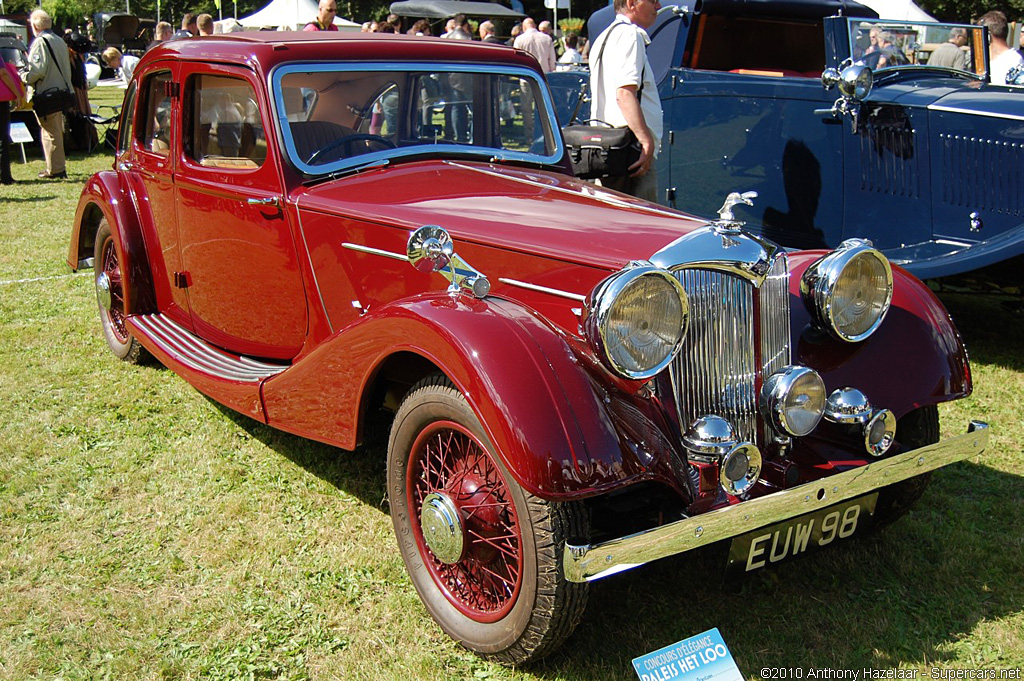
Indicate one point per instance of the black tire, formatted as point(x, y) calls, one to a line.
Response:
point(512, 603)
point(106, 261)
point(917, 429)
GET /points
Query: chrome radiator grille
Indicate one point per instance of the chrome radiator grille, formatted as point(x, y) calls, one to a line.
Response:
point(738, 334)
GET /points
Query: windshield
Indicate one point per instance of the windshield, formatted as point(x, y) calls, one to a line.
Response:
point(343, 115)
point(891, 44)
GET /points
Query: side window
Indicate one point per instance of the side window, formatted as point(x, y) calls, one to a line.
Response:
point(223, 128)
point(153, 131)
point(127, 120)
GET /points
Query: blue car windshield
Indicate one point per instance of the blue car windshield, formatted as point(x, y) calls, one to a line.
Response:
point(900, 44)
point(336, 116)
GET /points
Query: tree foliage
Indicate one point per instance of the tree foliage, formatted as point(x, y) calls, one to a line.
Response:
point(966, 11)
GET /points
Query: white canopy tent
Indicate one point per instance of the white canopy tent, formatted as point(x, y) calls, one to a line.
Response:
point(898, 10)
point(291, 15)
point(19, 30)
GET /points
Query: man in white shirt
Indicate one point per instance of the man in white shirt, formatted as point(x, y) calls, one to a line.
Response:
point(536, 43)
point(624, 92)
point(571, 58)
point(1001, 58)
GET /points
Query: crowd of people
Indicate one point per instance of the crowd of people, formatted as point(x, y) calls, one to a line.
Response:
point(622, 86)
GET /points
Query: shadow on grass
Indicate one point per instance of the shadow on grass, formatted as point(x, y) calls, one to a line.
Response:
point(30, 199)
point(360, 473)
point(907, 594)
point(991, 330)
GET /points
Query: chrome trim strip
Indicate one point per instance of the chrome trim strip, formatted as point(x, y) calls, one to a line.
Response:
point(953, 109)
point(376, 251)
point(586, 563)
point(543, 289)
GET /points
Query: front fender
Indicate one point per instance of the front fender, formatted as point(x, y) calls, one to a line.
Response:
point(915, 358)
point(542, 411)
point(103, 197)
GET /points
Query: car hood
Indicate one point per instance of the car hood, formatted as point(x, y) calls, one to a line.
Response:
point(537, 212)
point(963, 96)
point(989, 100)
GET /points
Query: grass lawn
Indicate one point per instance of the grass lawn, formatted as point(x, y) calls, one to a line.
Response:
point(147, 533)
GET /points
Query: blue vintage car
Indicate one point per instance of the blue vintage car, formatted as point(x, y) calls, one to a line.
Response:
point(790, 99)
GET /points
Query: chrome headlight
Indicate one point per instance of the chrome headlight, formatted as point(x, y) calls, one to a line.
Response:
point(637, 320)
point(793, 400)
point(848, 292)
point(855, 82)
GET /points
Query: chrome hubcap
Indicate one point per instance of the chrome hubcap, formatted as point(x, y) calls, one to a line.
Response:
point(103, 294)
point(442, 528)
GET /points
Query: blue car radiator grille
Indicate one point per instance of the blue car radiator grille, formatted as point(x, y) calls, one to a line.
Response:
point(738, 334)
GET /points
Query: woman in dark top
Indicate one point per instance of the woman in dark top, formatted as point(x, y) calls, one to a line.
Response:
point(12, 92)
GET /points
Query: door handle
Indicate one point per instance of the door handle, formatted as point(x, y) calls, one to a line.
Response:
point(272, 201)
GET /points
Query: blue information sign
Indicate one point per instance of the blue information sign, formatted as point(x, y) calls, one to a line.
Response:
point(703, 657)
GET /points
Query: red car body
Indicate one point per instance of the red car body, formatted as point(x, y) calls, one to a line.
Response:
point(282, 292)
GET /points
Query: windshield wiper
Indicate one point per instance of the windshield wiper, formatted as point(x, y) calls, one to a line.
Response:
point(350, 170)
point(517, 160)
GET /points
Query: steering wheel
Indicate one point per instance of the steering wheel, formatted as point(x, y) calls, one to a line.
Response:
point(347, 142)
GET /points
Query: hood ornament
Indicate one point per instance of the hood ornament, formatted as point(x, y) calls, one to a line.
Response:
point(727, 222)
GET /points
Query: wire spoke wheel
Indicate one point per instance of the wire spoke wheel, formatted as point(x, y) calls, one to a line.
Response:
point(112, 297)
point(111, 267)
point(447, 459)
point(483, 553)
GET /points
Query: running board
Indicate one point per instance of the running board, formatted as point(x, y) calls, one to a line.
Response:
point(182, 346)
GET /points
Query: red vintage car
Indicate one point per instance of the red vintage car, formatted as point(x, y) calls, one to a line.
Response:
point(315, 230)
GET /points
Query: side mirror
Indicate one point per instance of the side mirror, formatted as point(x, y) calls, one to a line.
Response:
point(430, 249)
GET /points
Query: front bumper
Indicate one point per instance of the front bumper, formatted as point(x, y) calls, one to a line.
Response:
point(590, 562)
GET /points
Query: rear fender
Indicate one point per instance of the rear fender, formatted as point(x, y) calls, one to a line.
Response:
point(545, 415)
point(103, 197)
point(915, 358)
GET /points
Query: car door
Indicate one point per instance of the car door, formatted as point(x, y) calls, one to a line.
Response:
point(743, 113)
point(888, 192)
point(238, 255)
point(746, 132)
point(146, 162)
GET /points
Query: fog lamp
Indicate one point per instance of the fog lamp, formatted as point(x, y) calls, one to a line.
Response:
point(880, 432)
point(708, 438)
point(740, 468)
point(793, 400)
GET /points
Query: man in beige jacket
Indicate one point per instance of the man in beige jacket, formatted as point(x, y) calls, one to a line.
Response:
point(49, 66)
